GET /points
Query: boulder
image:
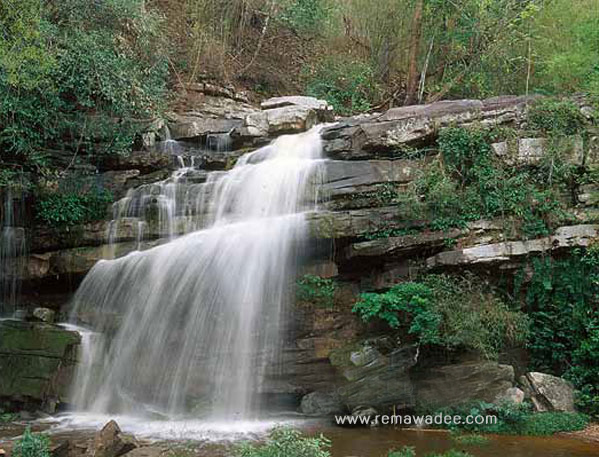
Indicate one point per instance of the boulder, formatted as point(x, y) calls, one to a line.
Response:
point(548, 392)
point(37, 361)
point(324, 111)
point(110, 442)
point(321, 404)
point(44, 315)
point(277, 121)
point(373, 378)
point(364, 411)
point(450, 385)
point(512, 395)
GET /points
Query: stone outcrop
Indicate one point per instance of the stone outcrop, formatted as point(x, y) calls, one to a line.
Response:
point(36, 362)
point(548, 392)
point(380, 135)
point(373, 378)
point(459, 383)
point(111, 442)
point(564, 237)
point(321, 404)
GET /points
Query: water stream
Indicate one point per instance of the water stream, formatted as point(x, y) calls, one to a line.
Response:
point(187, 328)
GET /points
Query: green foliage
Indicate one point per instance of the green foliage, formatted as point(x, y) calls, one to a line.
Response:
point(470, 439)
point(347, 84)
point(449, 312)
point(286, 442)
point(316, 290)
point(563, 305)
point(470, 184)
point(409, 451)
point(514, 419)
point(71, 208)
point(556, 117)
point(74, 74)
point(305, 15)
point(464, 152)
point(32, 445)
point(6, 418)
point(406, 451)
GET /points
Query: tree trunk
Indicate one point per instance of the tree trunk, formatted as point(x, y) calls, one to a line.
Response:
point(413, 75)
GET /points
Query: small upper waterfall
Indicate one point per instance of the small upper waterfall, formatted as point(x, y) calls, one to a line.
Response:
point(12, 251)
point(189, 326)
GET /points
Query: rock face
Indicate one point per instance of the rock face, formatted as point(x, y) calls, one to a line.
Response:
point(36, 363)
point(380, 135)
point(549, 393)
point(454, 384)
point(374, 379)
point(110, 442)
point(321, 404)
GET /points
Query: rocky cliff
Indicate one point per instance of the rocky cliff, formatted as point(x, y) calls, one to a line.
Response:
point(364, 241)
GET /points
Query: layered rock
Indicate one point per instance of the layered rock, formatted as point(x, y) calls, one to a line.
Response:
point(380, 135)
point(36, 362)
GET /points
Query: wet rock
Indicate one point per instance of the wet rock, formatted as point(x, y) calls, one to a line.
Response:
point(324, 111)
point(321, 404)
point(449, 385)
point(60, 449)
point(364, 411)
point(44, 315)
point(37, 362)
point(548, 392)
point(110, 442)
point(512, 395)
point(148, 451)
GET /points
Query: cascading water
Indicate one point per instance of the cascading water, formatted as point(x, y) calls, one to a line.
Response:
point(12, 252)
point(189, 326)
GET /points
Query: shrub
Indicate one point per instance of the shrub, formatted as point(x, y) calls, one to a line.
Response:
point(450, 312)
point(74, 74)
point(562, 301)
point(554, 117)
point(72, 208)
point(32, 445)
point(470, 439)
point(408, 451)
point(316, 290)
point(304, 15)
point(514, 419)
point(348, 85)
point(286, 442)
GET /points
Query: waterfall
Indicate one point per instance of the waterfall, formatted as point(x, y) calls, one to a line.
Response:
point(189, 326)
point(12, 252)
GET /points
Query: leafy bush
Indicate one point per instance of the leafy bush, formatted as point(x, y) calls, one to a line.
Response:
point(562, 301)
point(408, 451)
point(304, 15)
point(74, 74)
point(72, 208)
point(32, 445)
point(514, 419)
point(470, 439)
point(470, 184)
point(286, 442)
point(348, 85)
point(316, 290)
point(556, 117)
point(450, 312)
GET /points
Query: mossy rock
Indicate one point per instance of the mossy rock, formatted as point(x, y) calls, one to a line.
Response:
point(36, 361)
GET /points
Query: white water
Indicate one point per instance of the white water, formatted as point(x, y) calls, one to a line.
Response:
point(186, 329)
